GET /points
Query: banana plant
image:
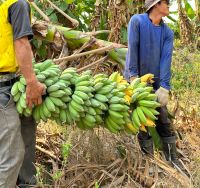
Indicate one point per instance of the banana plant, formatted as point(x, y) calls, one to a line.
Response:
point(189, 10)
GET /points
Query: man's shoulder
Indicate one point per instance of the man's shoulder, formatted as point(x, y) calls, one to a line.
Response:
point(138, 17)
point(21, 4)
point(24, 2)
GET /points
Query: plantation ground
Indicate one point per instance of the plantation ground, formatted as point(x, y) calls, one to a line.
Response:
point(73, 158)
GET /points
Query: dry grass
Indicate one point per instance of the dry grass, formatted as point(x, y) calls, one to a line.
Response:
point(98, 158)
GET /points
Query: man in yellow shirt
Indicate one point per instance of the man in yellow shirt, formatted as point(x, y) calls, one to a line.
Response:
point(15, 51)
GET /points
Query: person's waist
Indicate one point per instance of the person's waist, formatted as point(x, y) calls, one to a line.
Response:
point(5, 76)
point(7, 79)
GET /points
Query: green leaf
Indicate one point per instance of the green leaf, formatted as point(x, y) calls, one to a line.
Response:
point(42, 52)
point(189, 10)
point(63, 6)
point(124, 35)
point(49, 11)
point(171, 18)
point(54, 18)
point(69, 1)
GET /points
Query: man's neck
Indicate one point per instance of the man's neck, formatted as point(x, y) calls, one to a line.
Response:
point(155, 18)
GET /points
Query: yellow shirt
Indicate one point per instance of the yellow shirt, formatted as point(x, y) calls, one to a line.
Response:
point(7, 54)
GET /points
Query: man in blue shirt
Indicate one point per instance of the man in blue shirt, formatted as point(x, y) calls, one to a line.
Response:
point(150, 45)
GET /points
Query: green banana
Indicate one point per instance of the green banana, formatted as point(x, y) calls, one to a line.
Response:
point(53, 88)
point(82, 95)
point(77, 99)
point(57, 101)
point(141, 116)
point(151, 104)
point(115, 114)
point(101, 98)
point(91, 111)
point(77, 106)
point(142, 95)
point(63, 116)
point(148, 113)
point(21, 87)
point(15, 89)
point(135, 118)
point(73, 113)
point(49, 104)
point(58, 93)
point(84, 89)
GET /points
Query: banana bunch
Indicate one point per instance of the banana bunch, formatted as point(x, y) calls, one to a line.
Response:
point(122, 85)
point(54, 102)
point(112, 96)
point(143, 103)
point(121, 96)
point(97, 104)
point(46, 72)
point(118, 114)
point(82, 92)
point(89, 101)
point(62, 114)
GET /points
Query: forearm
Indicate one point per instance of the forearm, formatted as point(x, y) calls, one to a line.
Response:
point(165, 73)
point(165, 63)
point(24, 59)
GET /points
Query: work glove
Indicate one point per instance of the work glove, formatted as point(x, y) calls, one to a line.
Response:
point(162, 96)
point(133, 78)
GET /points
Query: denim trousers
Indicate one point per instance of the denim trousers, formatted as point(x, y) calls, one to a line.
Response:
point(11, 143)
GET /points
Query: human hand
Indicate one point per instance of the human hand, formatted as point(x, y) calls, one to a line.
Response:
point(133, 78)
point(34, 92)
point(162, 96)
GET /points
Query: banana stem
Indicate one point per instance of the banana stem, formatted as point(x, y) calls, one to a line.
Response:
point(47, 152)
point(46, 18)
point(92, 64)
point(72, 57)
point(73, 21)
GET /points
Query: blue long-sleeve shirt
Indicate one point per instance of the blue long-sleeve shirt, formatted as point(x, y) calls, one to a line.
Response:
point(149, 50)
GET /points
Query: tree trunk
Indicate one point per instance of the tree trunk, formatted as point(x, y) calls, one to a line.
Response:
point(186, 28)
point(116, 15)
point(197, 8)
point(197, 27)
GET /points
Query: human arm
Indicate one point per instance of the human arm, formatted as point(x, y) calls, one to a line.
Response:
point(34, 89)
point(165, 61)
point(165, 70)
point(133, 47)
point(19, 18)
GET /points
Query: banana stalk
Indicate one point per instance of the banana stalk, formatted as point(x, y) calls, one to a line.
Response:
point(75, 39)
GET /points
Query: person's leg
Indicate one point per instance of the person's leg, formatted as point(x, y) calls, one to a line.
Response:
point(168, 136)
point(145, 142)
point(164, 129)
point(11, 143)
point(27, 172)
point(163, 124)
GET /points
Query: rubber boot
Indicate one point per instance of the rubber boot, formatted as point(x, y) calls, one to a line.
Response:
point(169, 149)
point(146, 145)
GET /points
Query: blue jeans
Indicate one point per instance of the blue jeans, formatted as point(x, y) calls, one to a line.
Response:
point(11, 143)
